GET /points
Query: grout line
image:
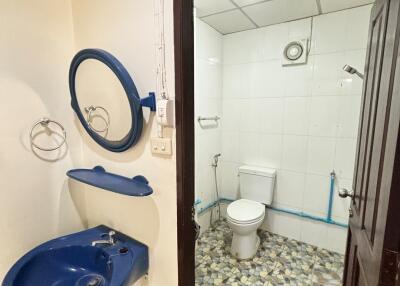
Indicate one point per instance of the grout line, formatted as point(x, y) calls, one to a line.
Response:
point(256, 3)
point(245, 14)
point(290, 134)
point(343, 52)
point(269, 25)
point(217, 13)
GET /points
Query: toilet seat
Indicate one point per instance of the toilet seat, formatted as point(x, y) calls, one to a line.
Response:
point(245, 211)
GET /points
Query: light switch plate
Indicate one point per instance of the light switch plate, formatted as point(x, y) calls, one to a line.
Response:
point(162, 146)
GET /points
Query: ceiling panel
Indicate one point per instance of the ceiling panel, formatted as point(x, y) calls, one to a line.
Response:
point(242, 3)
point(229, 22)
point(278, 11)
point(208, 7)
point(336, 5)
point(226, 16)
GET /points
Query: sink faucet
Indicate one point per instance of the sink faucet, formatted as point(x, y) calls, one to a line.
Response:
point(110, 241)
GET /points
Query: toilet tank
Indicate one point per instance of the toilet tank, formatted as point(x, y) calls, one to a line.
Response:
point(257, 184)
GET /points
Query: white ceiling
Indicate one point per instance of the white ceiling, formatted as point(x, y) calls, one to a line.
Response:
point(229, 16)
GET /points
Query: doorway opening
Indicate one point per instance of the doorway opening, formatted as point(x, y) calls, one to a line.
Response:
point(286, 110)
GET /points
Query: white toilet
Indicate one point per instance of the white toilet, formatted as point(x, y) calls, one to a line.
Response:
point(245, 215)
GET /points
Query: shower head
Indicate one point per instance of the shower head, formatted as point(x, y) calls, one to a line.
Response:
point(351, 70)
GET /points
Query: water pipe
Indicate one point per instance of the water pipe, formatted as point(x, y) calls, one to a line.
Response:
point(331, 192)
point(328, 219)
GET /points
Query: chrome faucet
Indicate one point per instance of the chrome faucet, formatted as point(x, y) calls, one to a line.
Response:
point(110, 241)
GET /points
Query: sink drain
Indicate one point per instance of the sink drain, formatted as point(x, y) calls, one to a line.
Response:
point(90, 280)
point(94, 282)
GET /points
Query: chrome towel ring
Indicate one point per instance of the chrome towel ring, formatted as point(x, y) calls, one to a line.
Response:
point(44, 122)
point(89, 110)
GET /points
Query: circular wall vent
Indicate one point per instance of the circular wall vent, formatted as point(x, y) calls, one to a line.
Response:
point(293, 51)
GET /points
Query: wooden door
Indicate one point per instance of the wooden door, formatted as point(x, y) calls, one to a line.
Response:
point(374, 232)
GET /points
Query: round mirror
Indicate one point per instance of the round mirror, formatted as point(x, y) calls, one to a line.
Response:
point(105, 99)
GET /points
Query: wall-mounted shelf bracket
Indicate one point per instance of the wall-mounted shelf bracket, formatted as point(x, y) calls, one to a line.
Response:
point(149, 101)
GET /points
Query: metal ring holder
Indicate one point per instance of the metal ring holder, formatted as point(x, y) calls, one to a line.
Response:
point(44, 122)
point(89, 110)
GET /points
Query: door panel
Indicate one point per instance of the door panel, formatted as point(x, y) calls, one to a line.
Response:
point(377, 142)
point(373, 61)
point(368, 186)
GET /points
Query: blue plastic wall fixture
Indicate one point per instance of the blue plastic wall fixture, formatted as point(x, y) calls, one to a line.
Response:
point(328, 219)
point(149, 101)
point(73, 260)
point(135, 102)
point(138, 186)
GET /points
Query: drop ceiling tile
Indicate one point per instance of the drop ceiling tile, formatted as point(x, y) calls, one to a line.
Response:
point(336, 5)
point(278, 11)
point(267, 13)
point(208, 7)
point(229, 22)
point(242, 3)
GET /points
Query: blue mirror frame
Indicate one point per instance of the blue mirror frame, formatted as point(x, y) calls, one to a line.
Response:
point(131, 92)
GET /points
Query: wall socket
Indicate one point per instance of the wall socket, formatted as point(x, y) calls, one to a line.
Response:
point(162, 146)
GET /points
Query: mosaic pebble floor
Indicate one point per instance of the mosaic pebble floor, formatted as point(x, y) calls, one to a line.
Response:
point(279, 261)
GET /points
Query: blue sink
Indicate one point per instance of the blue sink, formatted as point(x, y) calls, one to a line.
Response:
point(72, 261)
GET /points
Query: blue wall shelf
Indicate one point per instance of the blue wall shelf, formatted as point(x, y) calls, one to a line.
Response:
point(99, 177)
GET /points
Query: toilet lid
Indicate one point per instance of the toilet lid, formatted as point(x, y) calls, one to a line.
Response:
point(244, 211)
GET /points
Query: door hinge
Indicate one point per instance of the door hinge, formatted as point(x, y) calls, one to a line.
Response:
point(193, 213)
point(390, 267)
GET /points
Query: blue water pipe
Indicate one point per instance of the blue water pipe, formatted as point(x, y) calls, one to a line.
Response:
point(328, 219)
point(331, 192)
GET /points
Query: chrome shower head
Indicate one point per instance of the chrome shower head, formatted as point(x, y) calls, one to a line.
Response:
point(351, 70)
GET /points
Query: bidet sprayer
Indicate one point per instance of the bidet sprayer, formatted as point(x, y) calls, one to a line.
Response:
point(215, 158)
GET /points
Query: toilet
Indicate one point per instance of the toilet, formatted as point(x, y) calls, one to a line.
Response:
point(245, 215)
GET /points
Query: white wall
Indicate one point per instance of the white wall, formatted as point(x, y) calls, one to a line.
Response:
point(37, 201)
point(127, 30)
point(208, 102)
point(36, 45)
point(301, 120)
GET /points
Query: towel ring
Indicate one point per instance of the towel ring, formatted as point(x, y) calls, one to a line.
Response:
point(44, 122)
point(89, 110)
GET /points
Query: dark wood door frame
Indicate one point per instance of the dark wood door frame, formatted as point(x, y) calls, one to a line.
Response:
point(184, 110)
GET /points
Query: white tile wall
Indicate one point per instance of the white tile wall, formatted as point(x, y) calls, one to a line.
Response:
point(208, 102)
point(294, 153)
point(291, 187)
point(301, 120)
